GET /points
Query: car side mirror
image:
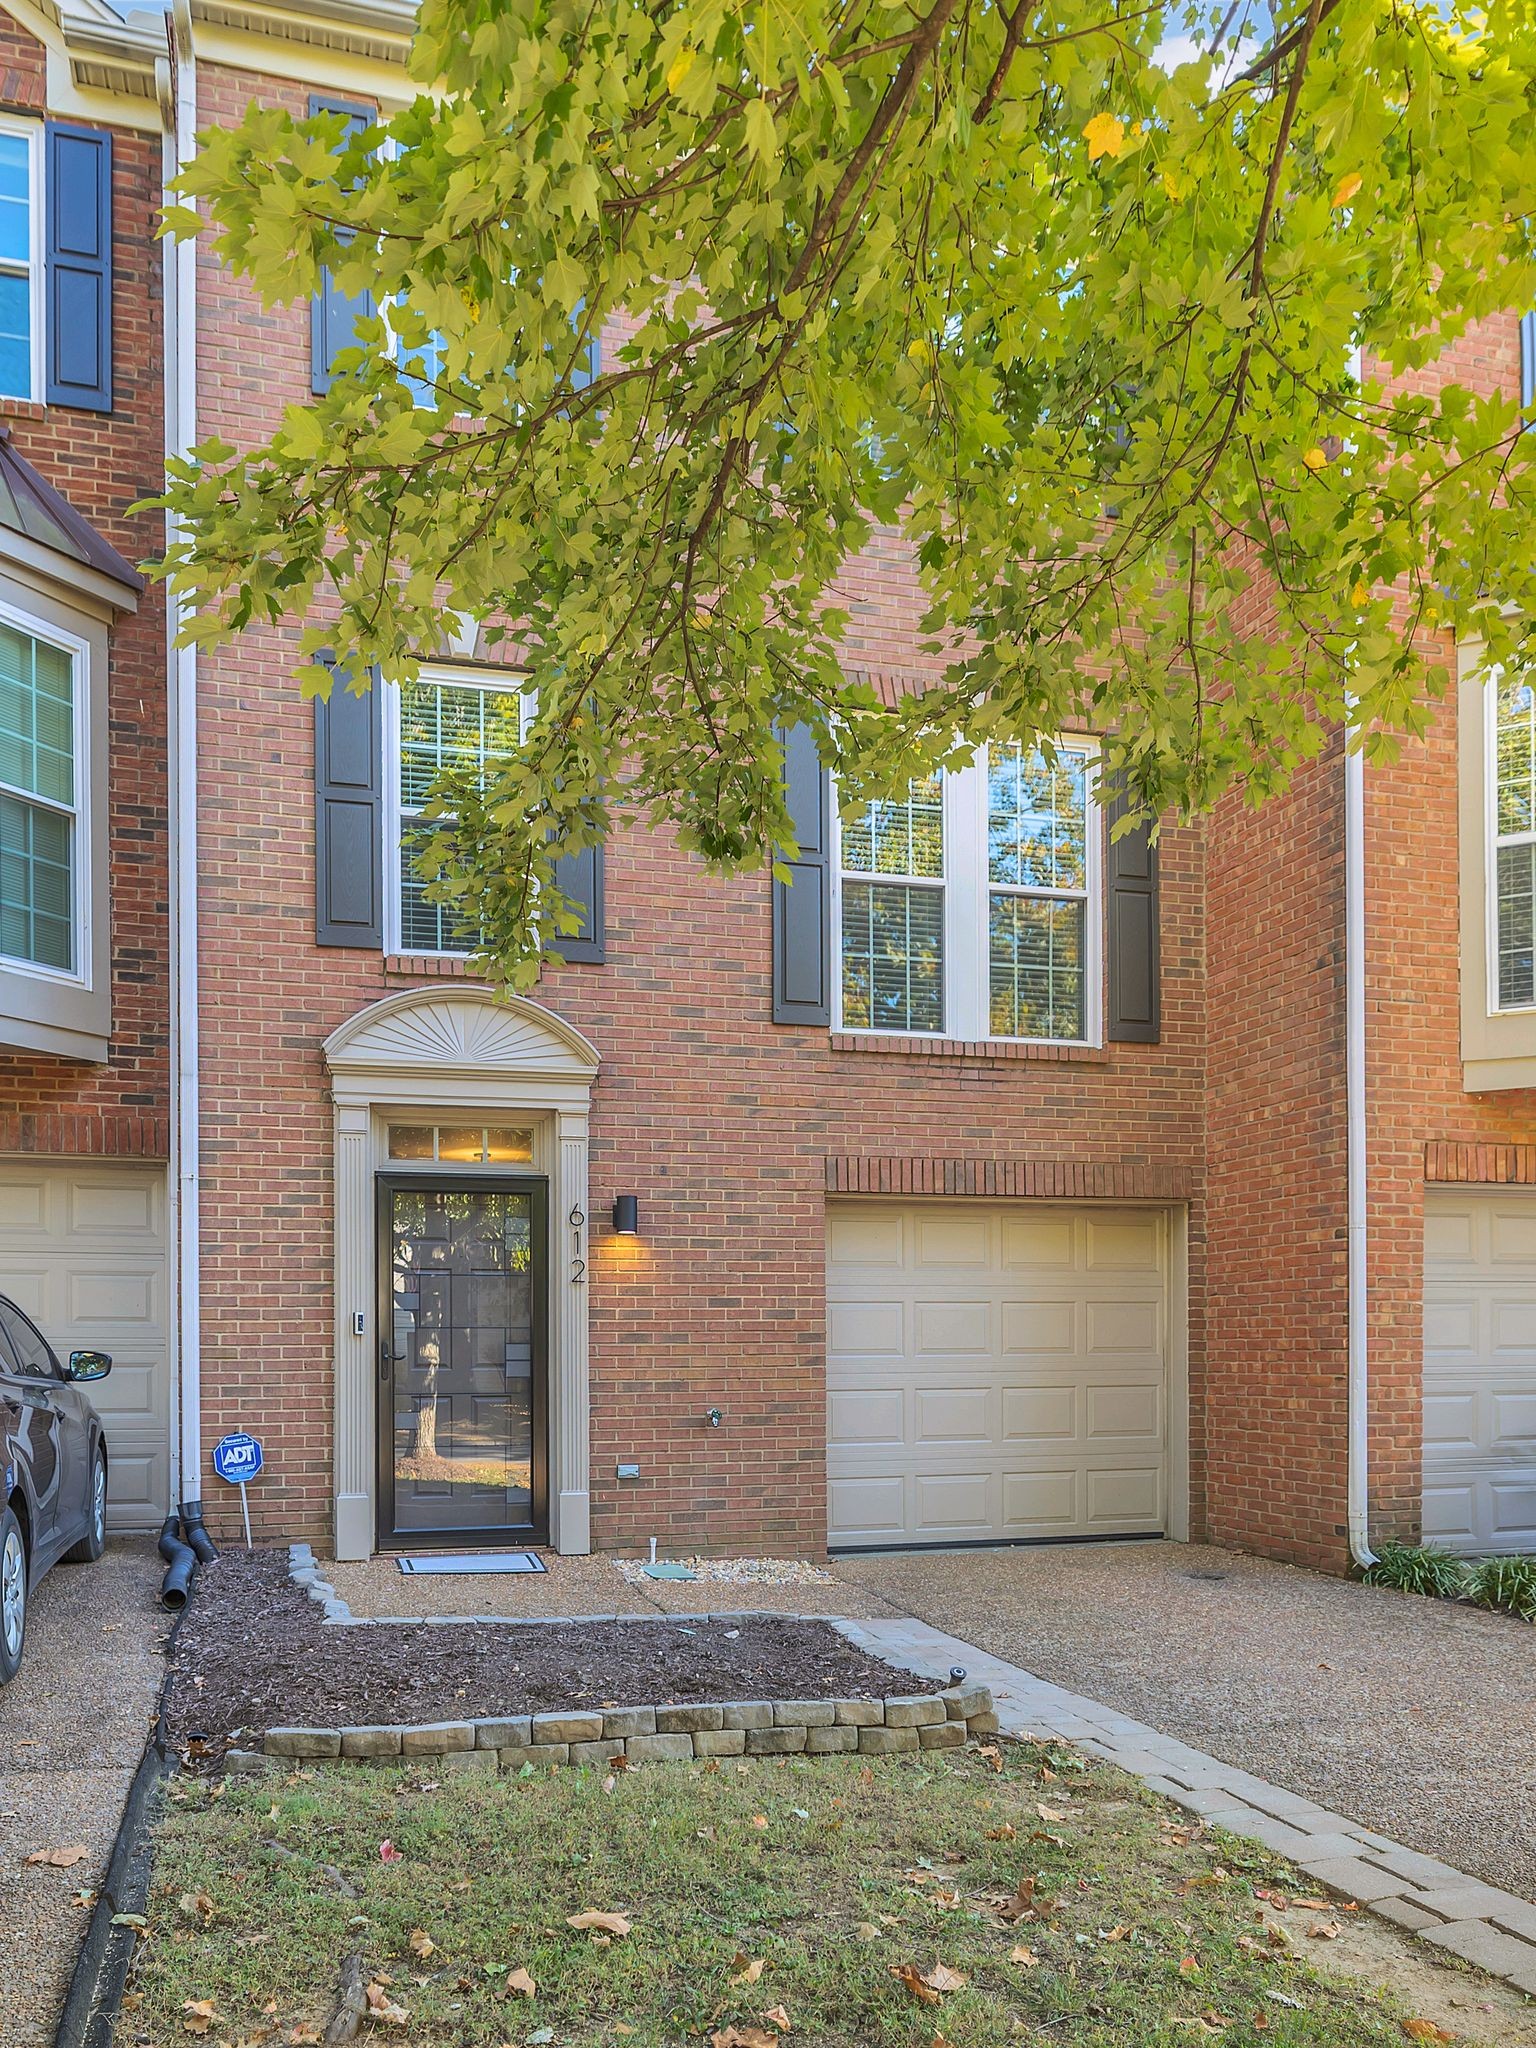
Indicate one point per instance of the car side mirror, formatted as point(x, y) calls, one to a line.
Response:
point(89, 1365)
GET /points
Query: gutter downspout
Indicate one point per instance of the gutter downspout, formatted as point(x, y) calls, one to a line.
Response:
point(1359, 1433)
point(180, 435)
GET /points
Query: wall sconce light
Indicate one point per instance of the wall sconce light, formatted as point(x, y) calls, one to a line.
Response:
point(626, 1215)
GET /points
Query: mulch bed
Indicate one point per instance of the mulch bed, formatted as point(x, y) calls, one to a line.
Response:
point(253, 1652)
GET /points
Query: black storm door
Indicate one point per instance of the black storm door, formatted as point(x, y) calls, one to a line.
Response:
point(462, 1321)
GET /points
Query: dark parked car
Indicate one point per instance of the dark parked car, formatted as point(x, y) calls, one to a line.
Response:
point(53, 1460)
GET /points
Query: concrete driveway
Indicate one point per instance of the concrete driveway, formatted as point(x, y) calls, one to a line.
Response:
point(72, 1730)
point(1411, 1716)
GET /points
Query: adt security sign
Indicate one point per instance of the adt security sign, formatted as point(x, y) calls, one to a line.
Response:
point(237, 1458)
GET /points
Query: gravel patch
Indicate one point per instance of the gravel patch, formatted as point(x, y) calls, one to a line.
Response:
point(72, 1730)
point(734, 1571)
point(253, 1652)
point(1411, 1716)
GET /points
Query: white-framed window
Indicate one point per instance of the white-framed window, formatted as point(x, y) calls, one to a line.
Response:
point(972, 908)
point(45, 800)
point(21, 258)
point(447, 718)
point(1511, 818)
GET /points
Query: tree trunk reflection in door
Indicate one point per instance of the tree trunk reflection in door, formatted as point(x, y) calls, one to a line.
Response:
point(461, 1284)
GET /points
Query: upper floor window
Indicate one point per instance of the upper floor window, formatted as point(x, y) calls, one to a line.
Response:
point(442, 721)
point(21, 264)
point(1513, 894)
point(41, 892)
point(970, 908)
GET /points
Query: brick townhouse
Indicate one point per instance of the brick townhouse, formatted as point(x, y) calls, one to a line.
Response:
point(989, 1184)
point(85, 1090)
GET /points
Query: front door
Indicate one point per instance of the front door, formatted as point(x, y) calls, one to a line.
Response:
point(462, 1434)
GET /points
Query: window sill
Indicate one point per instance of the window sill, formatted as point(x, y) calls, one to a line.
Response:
point(430, 967)
point(968, 1048)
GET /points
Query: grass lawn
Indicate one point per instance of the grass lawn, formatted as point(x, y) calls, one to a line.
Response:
point(832, 1876)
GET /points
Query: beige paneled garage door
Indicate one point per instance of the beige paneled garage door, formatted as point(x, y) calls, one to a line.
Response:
point(83, 1251)
point(994, 1372)
point(1480, 1369)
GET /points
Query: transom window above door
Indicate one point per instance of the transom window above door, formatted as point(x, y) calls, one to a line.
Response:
point(971, 908)
point(462, 1144)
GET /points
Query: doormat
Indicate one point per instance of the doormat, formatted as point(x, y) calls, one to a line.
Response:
point(473, 1561)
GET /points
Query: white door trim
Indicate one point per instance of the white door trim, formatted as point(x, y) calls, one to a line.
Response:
point(460, 1050)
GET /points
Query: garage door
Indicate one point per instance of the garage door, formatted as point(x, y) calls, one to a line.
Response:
point(83, 1251)
point(994, 1372)
point(1480, 1369)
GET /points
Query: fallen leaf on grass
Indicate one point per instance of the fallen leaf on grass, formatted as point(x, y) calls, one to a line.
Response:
point(942, 1978)
point(59, 1859)
point(1325, 1930)
point(779, 2017)
point(1024, 1956)
point(198, 1906)
point(388, 1853)
point(1188, 1967)
point(422, 1943)
point(598, 1923)
point(383, 2008)
point(759, 1820)
point(745, 1972)
point(865, 1930)
point(1425, 2030)
point(201, 2014)
point(1021, 1905)
point(520, 1984)
point(911, 1976)
point(1005, 1833)
point(304, 2035)
point(743, 2037)
point(1050, 1812)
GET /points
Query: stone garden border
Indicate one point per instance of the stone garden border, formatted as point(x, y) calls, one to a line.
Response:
point(659, 1734)
point(944, 1719)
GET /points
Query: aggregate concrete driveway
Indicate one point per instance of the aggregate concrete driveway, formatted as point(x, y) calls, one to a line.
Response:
point(72, 1730)
point(1411, 1716)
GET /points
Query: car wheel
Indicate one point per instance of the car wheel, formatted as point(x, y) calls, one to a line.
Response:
point(13, 1594)
point(94, 1541)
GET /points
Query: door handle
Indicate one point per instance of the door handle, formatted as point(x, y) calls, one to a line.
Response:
point(387, 1358)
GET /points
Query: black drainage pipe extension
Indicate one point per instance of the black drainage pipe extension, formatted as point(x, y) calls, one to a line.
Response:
point(194, 1535)
point(181, 1563)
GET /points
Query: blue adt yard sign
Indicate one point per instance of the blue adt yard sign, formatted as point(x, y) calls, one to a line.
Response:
point(237, 1458)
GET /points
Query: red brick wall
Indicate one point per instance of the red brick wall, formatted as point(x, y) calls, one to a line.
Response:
point(103, 463)
point(722, 1123)
point(1275, 1166)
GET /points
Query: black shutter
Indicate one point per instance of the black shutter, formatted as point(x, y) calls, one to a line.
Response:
point(333, 314)
point(802, 910)
point(349, 812)
point(579, 876)
point(77, 184)
point(1131, 913)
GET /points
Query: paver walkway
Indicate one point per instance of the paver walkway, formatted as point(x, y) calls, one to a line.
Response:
point(72, 1730)
point(1486, 1925)
point(1413, 1717)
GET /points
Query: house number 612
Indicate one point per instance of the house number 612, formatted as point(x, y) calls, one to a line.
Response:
point(578, 1221)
